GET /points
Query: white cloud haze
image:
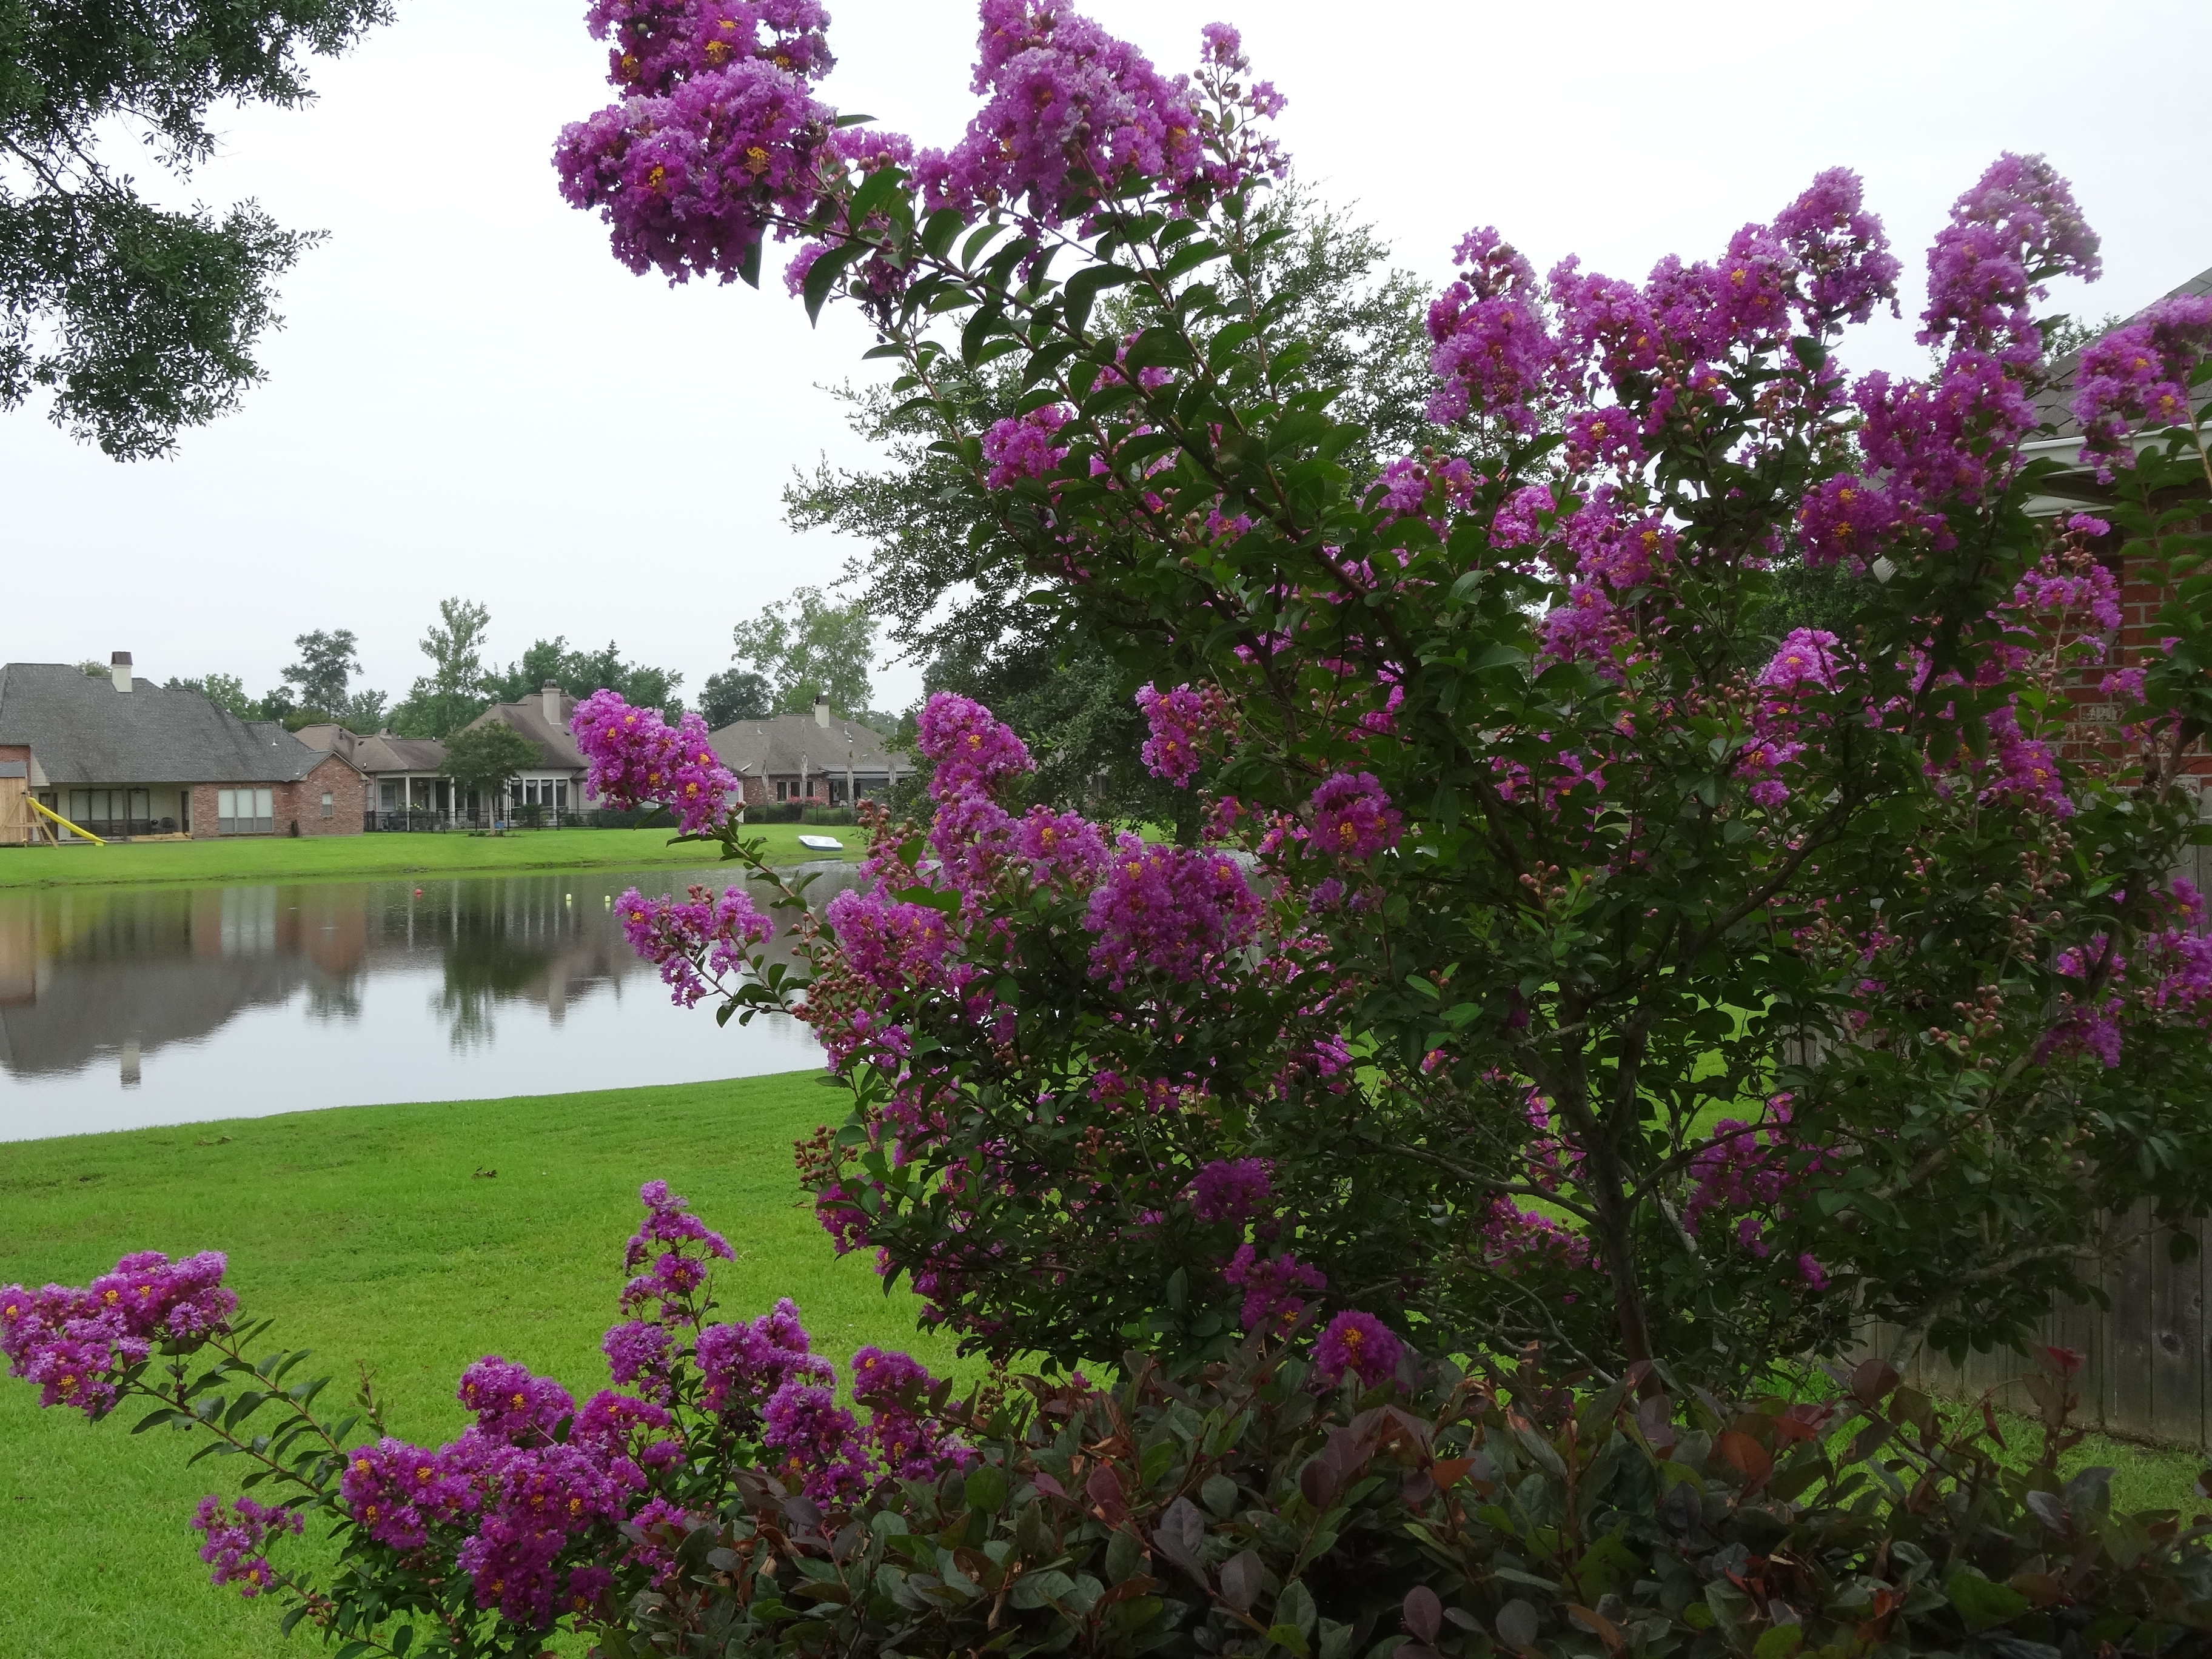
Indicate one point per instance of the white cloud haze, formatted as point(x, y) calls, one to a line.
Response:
point(471, 398)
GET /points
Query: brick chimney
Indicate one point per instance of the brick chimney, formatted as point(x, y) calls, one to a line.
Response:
point(822, 711)
point(119, 670)
point(551, 693)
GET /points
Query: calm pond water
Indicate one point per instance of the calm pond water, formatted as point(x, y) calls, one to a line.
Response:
point(125, 1006)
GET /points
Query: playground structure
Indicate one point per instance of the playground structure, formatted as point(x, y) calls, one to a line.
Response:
point(25, 820)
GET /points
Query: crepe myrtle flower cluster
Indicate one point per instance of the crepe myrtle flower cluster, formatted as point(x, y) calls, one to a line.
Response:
point(698, 943)
point(1178, 724)
point(718, 136)
point(637, 759)
point(237, 1534)
point(1071, 114)
point(74, 1342)
point(1744, 1174)
point(543, 1506)
point(2137, 379)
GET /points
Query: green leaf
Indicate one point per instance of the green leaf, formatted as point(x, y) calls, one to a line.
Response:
point(403, 1639)
point(821, 275)
point(1780, 1641)
point(1981, 1603)
point(985, 1488)
point(877, 189)
point(938, 229)
point(1289, 1637)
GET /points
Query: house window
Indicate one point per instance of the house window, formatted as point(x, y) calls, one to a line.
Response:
point(326, 802)
point(389, 796)
point(561, 794)
point(783, 790)
point(245, 811)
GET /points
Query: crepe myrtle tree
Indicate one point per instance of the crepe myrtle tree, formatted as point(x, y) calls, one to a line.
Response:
point(1614, 976)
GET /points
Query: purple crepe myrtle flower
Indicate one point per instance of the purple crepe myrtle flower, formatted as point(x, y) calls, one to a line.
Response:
point(1271, 1286)
point(1806, 656)
point(2016, 227)
point(689, 180)
point(1064, 846)
point(1358, 1344)
point(891, 944)
point(1167, 910)
point(743, 1364)
point(1178, 722)
point(972, 748)
point(510, 1404)
point(1021, 446)
point(1232, 1189)
point(237, 1535)
point(2137, 378)
point(635, 758)
point(1352, 818)
point(638, 1352)
point(1492, 350)
point(1841, 251)
point(699, 942)
point(668, 1220)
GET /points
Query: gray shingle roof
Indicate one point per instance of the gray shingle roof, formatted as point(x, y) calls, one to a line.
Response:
point(771, 748)
point(82, 730)
point(2054, 404)
point(381, 754)
point(551, 736)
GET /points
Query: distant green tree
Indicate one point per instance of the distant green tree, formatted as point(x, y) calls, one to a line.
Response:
point(328, 662)
point(93, 669)
point(454, 691)
point(225, 691)
point(580, 674)
point(735, 693)
point(141, 320)
point(363, 712)
point(486, 756)
point(810, 646)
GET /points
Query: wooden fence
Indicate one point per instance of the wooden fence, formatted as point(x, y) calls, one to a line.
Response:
point(2145, 1358)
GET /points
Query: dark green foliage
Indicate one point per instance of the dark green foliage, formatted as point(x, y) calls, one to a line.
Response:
point(486, 756)
point(141, 320)
point(954, 589)
point(735, 693)
point(580, 674)
point(456, 689)
point(327, 662)
point(808, 646)
point(1447, 1514)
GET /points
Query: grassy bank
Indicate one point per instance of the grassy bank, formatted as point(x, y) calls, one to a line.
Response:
point(279, 858)
point(369, 1234)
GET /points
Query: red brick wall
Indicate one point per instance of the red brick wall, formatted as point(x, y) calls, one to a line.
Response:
point(2137, 642)
point(301, 802)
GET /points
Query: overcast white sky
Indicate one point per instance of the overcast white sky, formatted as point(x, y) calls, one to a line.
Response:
point(471, 398)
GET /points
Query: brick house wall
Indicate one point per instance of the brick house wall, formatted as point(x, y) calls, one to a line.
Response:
point(2096, 734)
point(300, 803)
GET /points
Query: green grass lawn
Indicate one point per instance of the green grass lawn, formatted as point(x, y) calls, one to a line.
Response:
point(368, 1234)
point(279, 858)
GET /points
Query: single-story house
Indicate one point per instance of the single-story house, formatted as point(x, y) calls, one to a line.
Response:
point(408, 778)
point(121, 756)
point(556, 782)
point(806, 757)
point(405, 775)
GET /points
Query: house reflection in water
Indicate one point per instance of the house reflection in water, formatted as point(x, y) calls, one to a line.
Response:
point(89, 973)
point(395, 991)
